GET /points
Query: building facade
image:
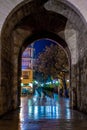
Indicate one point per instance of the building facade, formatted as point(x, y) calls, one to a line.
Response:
point(27, 66)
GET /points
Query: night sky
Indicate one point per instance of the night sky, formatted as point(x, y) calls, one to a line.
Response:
point(40, 45)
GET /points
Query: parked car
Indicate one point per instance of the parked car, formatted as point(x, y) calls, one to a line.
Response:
point(26, 90)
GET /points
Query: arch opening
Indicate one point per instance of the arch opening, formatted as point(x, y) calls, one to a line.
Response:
point(40, 86)
point(47, 36)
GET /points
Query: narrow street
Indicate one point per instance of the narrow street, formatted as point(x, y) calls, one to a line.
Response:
point(44, 111)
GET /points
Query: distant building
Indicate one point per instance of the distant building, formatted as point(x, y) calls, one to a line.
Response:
point(27, 66)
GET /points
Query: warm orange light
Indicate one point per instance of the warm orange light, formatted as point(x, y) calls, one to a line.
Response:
point(21, 78)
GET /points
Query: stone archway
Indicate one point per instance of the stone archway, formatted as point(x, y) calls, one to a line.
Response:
point(39, 36)
point(57, 17)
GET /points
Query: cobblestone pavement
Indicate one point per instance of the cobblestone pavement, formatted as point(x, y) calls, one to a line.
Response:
point(44, 112)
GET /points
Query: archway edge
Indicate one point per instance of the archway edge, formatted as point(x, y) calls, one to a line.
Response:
point(76, 7)
point(45, 35)
point(72, 4)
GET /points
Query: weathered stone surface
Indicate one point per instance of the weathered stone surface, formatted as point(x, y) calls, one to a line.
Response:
point(55, 16)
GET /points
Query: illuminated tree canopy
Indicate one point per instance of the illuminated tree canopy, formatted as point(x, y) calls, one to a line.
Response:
point(52, 62)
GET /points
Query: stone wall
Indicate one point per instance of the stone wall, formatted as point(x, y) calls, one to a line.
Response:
point(73, 32)
point(76, 37)
point(6, 76)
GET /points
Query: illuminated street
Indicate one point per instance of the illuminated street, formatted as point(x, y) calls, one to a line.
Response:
point(44, 111)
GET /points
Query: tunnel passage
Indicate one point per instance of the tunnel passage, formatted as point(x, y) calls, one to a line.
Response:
point(28, 19)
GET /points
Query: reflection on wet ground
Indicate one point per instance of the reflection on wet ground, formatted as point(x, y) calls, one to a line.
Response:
point(44, 111)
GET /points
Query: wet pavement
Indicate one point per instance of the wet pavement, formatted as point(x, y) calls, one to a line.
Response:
point(44, 111)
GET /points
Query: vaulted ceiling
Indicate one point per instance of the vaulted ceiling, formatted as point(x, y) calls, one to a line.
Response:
point(6, 6)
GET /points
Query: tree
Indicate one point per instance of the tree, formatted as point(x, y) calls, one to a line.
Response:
point(53, 62)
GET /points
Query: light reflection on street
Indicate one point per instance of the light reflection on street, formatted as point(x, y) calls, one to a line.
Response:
point(44, 105)
point(44, 111)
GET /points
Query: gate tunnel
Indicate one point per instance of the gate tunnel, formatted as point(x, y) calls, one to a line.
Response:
point(32, 20)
